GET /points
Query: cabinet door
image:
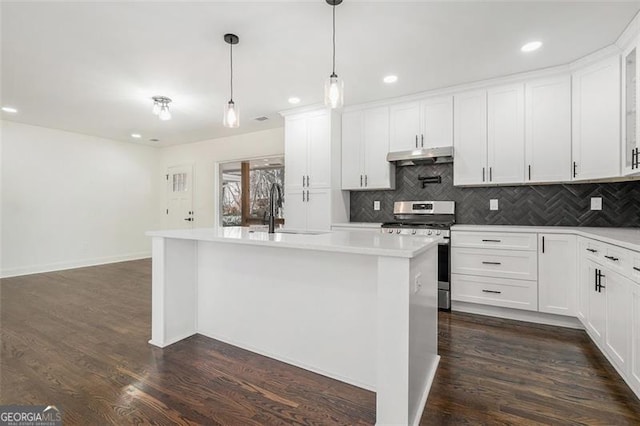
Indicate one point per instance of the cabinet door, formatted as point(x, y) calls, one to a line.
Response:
point(470, 138)
point(557, 274)
point(630, 116)
point(585, 283)
point(318, 209)
point(505, 134)
point(319, 150)
point(596, 120)
point(618, 317)
point(437, 122)
point(548, 130)
point(295, 209)
point(295, 152)
point(405, 126)
point(379, 173)
point(597, 305)
point(634, 367)
point(352, 152)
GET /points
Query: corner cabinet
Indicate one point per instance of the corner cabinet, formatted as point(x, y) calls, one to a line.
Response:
point(312, 199)
point(365, 145)
point(422, 124)
point(596, 120)
point(630, 117)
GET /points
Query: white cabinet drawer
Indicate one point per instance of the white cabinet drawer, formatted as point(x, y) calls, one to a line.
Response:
point(507, 293)
point(495, 240)
point(592, 249)
point(515, 264)
point(617, 259)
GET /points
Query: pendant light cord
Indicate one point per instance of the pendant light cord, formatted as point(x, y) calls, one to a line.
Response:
point(334, 40)
point(231, 62)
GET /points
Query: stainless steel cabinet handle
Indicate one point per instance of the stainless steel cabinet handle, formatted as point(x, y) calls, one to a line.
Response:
point(491, 263)
point(492, 291)
point(491, 241)
point(615, 259)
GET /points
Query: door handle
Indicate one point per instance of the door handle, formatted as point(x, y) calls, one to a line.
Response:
point(529, 171)
point(416, 141)
point(189, 219)
point(615, 259)
point(491, 263)
point(636, 268)
point(592, 250)
point(308, 196)
point(492, 291)
point(422, 141)
point(483, 174)
point(308, 180)
point(366, 180)
point(491, 241)
point(361, 180)
point(490, 174)
point(543, 244)
point(575, 166)
point(303, 200)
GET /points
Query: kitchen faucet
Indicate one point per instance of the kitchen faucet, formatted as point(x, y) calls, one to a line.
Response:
point(275, 201)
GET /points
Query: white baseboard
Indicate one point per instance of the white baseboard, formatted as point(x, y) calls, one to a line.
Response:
point(61, 266)
point(516, 314)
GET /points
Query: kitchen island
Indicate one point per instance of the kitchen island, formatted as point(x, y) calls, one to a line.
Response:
point(357, 306)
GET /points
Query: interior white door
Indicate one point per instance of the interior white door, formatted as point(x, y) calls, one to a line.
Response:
point(470, 138)
point(295, 152)
point(505, 134)
point(618, 317)
point(295, 209)
point(352, 150)
point(376, 147)
point(319, 150)
point(437, 122)
point(557, 274)
point(179, 211)
point(405, 126)
point(548, 130)
point(596, 120)
point(318, 215)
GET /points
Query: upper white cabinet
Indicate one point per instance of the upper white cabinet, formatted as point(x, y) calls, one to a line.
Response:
point(312, 171)
point(365, 145)
point(630, 116)
point(548, 130)
point(557, 274)
point(470, 138)
point(505, 134)
point(596, 120)
point(422, 124)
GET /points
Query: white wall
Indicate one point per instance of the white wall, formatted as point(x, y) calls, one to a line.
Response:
point(73, 200)
point(204, 155)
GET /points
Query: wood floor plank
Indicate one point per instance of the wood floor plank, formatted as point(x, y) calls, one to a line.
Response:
point(78, 339)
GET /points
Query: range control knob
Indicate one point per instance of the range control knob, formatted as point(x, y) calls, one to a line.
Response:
point(413, 232)
point(430, 232)
point(398, 231)
point(390, 231)
point(438, 232)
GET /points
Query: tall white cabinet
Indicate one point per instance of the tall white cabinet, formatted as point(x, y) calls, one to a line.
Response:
point(313, 198)
point(470, 138)
point(596, 120)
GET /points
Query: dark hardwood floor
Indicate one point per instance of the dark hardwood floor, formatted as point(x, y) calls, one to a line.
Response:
point(78, 339)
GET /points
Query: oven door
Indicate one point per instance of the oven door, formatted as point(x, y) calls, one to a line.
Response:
point(444, 276)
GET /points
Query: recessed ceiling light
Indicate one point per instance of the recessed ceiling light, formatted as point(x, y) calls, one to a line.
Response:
point(9, 109)
point(154, 140)
point(531, 46)
point(136, 135)
point(390, 79)
point(294, 100)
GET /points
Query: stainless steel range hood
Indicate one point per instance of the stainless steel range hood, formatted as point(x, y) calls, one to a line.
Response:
point(422, 156)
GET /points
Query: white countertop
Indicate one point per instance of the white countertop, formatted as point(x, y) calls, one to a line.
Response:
point(364, 225)
point(624, 237)
point(355, 242)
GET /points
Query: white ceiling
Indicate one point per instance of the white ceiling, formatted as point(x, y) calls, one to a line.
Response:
point(92, 68)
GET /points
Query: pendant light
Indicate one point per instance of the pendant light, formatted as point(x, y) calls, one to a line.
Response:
point(161, 107)
point(334, 86)
point(231, 114)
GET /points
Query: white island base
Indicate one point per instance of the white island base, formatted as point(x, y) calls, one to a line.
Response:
point(355, 306)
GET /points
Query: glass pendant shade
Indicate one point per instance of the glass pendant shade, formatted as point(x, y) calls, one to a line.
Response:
point(334, 92)
point(156, 108)
point(231, 117)
point(164, 114)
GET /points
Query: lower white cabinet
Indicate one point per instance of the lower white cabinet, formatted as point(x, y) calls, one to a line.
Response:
point(507, 293)
point(515, 264)
point(634, 364)
point(557, 274)
point(306, 209)
point(596, 304)
point(617, 290)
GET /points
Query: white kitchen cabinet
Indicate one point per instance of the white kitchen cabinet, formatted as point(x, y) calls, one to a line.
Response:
point(295, 209)
point(617, 290)
point(596, 120)
point(548, 130)
point(585, 279)
point(365, 145)
point(422, 124)
point(296, 152)
point(630, 117)
point(634, 364)
point(318, 217)
point(470, 138)
point(596, 303)
point(557, 274)
point(505, 134)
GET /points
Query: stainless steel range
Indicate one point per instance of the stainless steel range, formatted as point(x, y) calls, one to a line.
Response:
point(428, 218)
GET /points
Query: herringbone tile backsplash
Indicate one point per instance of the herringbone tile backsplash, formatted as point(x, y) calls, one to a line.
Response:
point(535, 205)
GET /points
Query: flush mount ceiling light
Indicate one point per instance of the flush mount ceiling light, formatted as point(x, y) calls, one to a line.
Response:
point(9, 109)
point(161, 107)
point(334, 86)
point(231, 113)
point(531, 46)
point(294, 100)
point(136, 135)
point(390, 79)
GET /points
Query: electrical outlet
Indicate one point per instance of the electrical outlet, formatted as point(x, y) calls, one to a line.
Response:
point(596, 203)
point(493, 204)
point(376, 205)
